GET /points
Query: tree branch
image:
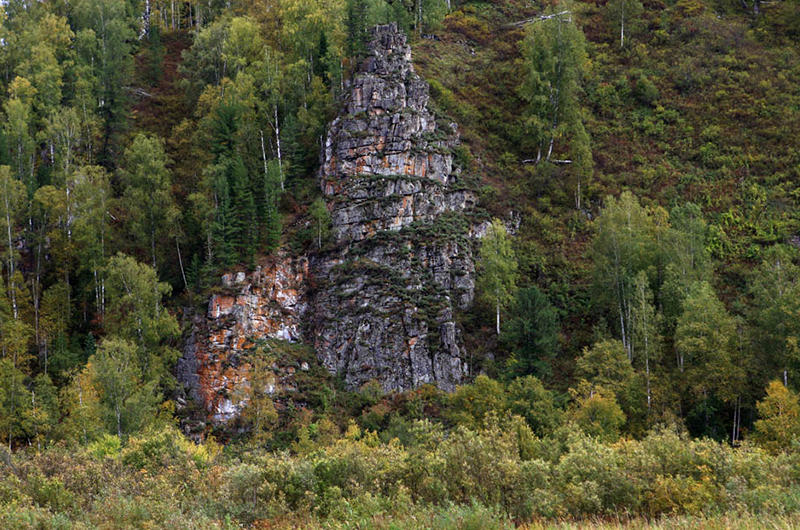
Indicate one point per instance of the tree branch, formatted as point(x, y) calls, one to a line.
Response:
point(521, 23)
point(535, 161)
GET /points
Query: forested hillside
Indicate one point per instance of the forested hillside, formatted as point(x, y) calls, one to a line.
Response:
point(399, 263)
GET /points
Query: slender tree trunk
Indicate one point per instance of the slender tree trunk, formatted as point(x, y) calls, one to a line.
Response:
point(153, 247)
point(119, 420)
point(80, 406)
point(11, 287)
point(263, 152)
point(647, 373)
point(278, 143)
point(497, 313)
point(37, 295)
point(180, 262)
point(146, 20)
point(622, 328)
point(622, 28)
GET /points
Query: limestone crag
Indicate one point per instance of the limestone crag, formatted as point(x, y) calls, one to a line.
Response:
point(402, 263)
point(380, 302)
point(267, 303)
point(387, 163)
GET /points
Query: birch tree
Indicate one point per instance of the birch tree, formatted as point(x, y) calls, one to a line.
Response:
point(645, 331)
point(554, 51)
point(127, 401)
point(322, 220)
point(623, 14)
point(12, 203)
point(624, 244)
point(136, 314)
point(775, 288)
point(498, 268)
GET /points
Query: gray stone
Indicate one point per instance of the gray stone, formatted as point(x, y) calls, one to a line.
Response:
point(386, 308)
point(381, 303)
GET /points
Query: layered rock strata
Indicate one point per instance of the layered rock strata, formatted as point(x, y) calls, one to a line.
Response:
point(402, 264)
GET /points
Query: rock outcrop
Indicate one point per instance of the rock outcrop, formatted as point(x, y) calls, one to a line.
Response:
point(385, 291)
point(402, 264)
point(268, 303)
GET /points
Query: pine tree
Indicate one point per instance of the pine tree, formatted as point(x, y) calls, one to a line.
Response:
point(272, 217)
point(245, 223)
point(356, 27)
point(532, 333)
point(148, 191)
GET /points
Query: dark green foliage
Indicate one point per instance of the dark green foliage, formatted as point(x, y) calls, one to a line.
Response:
point(112, 22)
point(356, 27)
point(271, 214)
point(531, 333)
point(645, 90)
point(155, 56)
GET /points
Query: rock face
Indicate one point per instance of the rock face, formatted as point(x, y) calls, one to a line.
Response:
point(384, 295)
point(268, 303)
point(402, 263)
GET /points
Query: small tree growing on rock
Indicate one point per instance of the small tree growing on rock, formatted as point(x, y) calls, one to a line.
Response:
point(322, 220)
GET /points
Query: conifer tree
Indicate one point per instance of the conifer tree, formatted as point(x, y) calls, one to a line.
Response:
point(148, 192)
point(272, 217)
point(356, 27)
point(532, 333)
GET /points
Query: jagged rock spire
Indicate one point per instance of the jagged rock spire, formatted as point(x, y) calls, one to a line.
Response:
point(395, 276)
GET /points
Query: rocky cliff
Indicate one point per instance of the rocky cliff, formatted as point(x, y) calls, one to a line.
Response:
point(268, 303)
point(399, 266)
point(402, 263)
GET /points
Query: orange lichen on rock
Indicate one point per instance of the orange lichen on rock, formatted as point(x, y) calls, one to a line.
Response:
point(270, 303)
